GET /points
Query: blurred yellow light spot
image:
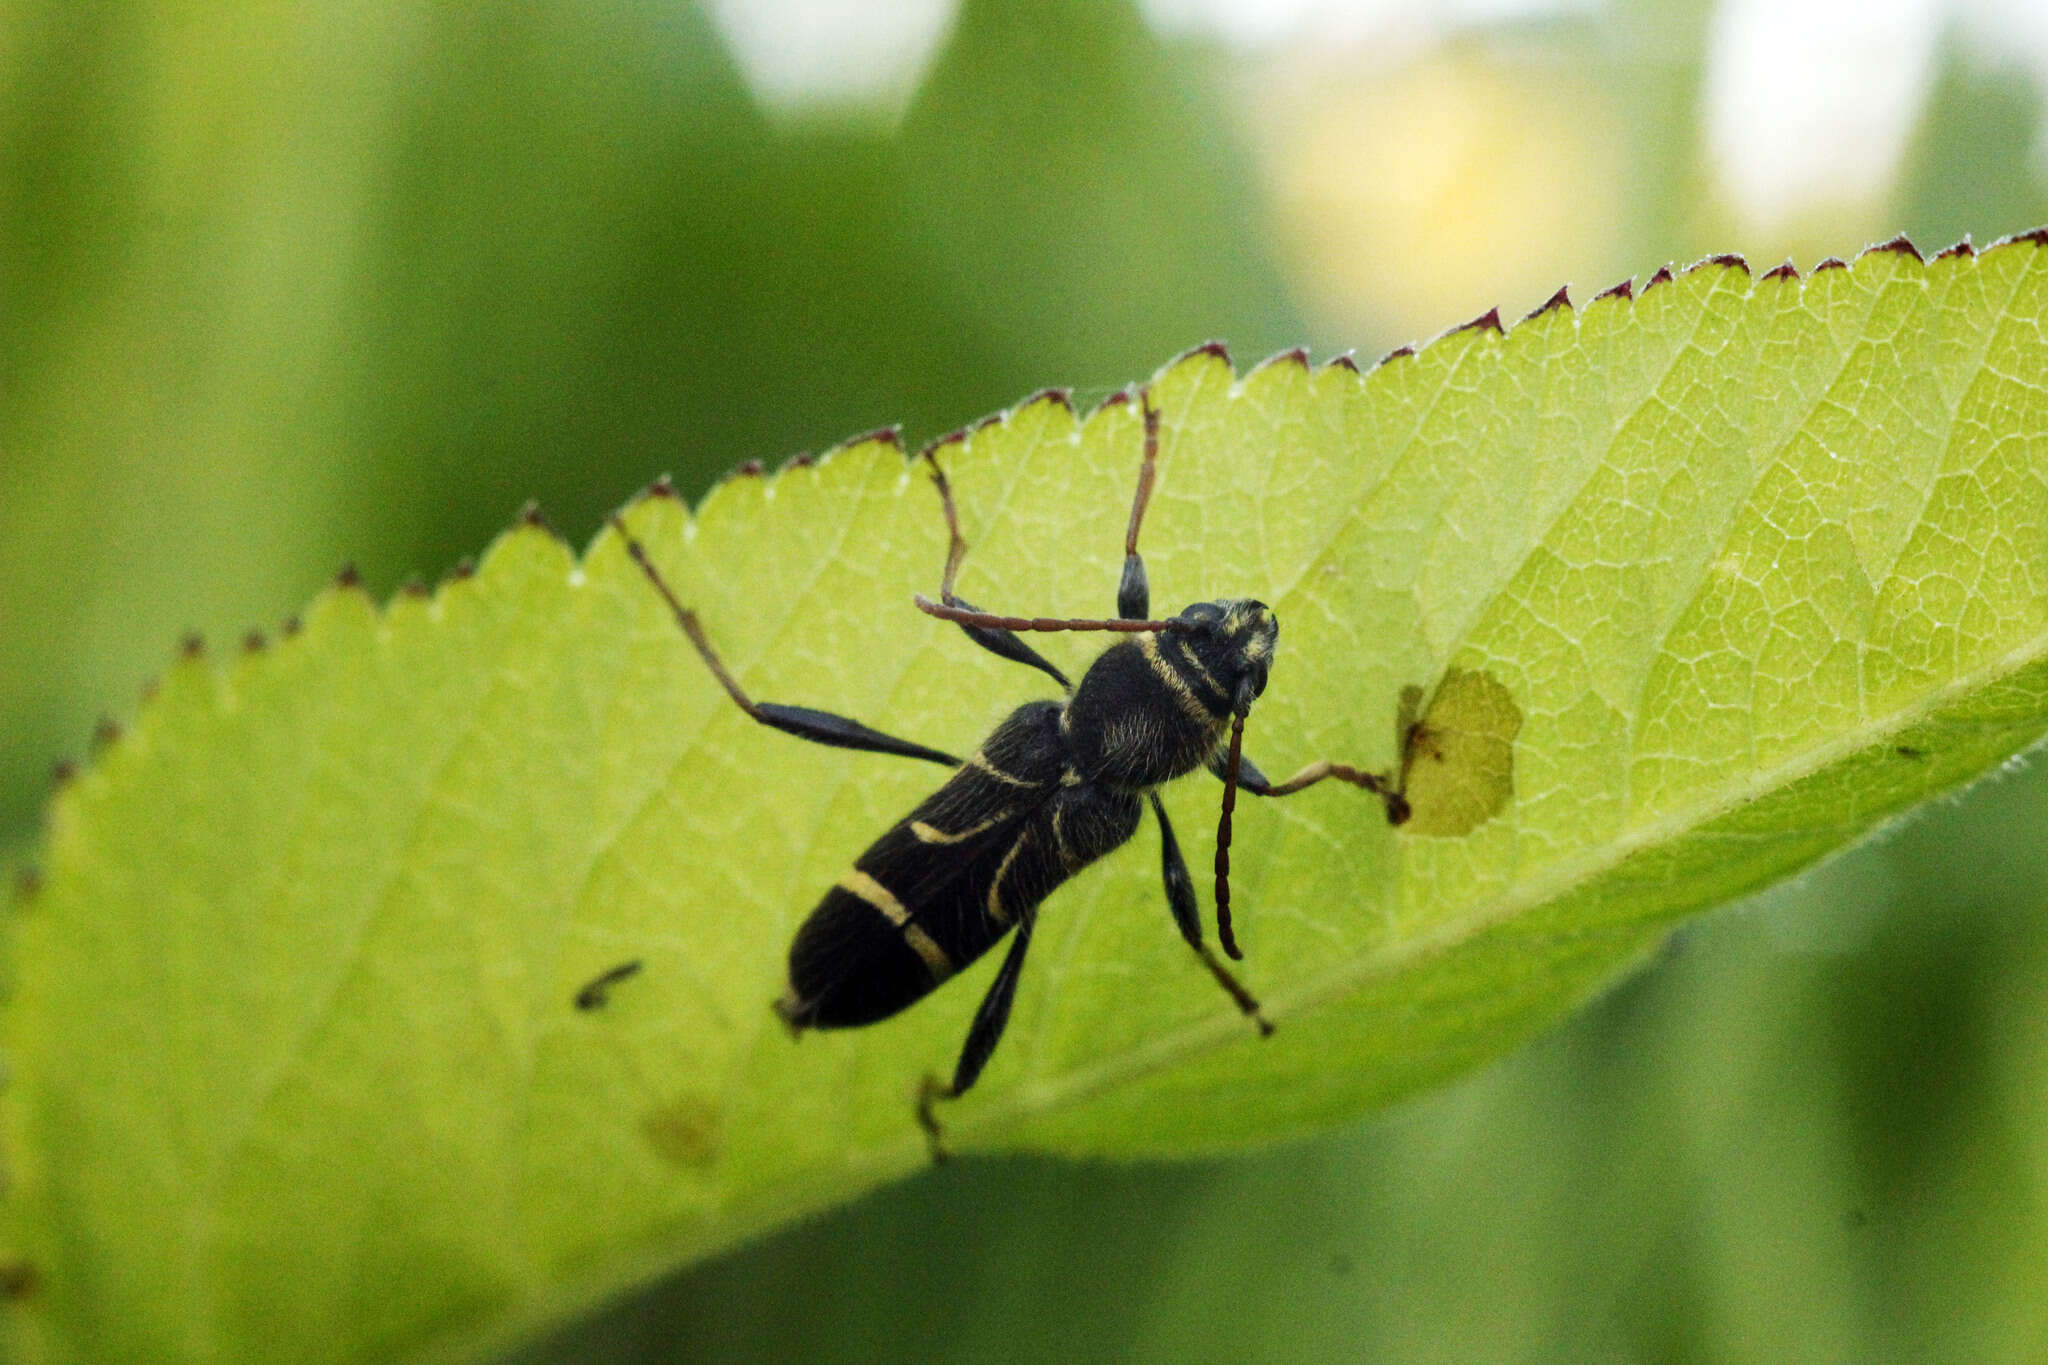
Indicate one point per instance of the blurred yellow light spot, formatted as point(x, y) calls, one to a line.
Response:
point(1411, 200)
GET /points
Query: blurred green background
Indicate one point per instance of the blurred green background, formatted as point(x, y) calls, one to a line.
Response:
point(283, 288)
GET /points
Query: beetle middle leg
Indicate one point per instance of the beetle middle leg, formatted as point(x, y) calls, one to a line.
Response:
point(820, 727)
point(1258, 784)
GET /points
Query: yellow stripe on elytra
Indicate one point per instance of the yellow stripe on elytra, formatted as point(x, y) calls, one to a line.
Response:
point(932, 834)
point(979, 762)
point(997, 911)
point(926, 947)
point(859, 883)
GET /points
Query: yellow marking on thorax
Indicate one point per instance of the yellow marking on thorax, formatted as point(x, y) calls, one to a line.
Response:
point(1200, 672)
point(1149, 646)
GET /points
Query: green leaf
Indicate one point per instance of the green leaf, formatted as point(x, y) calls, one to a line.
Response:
point(1691, 589)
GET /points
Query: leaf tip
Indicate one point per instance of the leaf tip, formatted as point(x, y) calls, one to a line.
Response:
point(1625, 290)
point(1561, 299)
point(1900, 245)
point(1787, 271)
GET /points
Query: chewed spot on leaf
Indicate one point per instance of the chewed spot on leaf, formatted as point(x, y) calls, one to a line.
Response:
point(1458, 770)
point(683, 1132)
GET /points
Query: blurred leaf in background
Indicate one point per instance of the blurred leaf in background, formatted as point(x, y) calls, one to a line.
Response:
point(284, 288)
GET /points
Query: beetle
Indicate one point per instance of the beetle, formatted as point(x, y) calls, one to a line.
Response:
point(1055, 787)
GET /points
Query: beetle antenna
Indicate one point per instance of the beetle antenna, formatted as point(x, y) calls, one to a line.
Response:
point(1230, 769)
point(989, 621)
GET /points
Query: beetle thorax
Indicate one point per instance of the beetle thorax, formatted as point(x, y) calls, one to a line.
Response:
point(1154, 707)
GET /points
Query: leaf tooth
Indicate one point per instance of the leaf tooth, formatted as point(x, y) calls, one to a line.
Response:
point(1727, 260)
point(1663, 276)
point(532, 518)
point(1831, 263)
point(63, 772)
point(465, 567)
point(1344, 360)
point(1787, 271)
point(957, 436)
point(290, 627)
point(1900, 245)
point(106, 732)
point(887, 436)
point(1063, 398)
point(28, 880)
point(803, 459)
point(1625, 290)
point(1962, 248)
point(348, 578)
point(2037, 236)
point(1561, 299)
point(1488, 320)
point(412, 587)
point(1398, 353)
point(193, 646)
point(1217, 349)
point(662, 487)
point(1298, 358)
